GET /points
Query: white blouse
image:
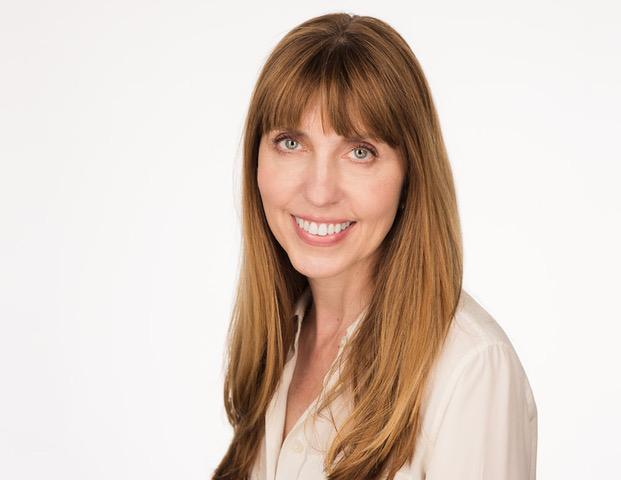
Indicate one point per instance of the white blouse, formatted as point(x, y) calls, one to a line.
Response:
point(479, 419)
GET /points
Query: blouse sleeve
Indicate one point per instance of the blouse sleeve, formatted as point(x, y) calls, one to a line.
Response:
point(489, 428)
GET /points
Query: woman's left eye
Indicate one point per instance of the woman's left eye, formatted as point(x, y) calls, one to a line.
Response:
point(363, 148)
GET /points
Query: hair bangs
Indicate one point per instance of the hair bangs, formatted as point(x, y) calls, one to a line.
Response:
point(352, 102)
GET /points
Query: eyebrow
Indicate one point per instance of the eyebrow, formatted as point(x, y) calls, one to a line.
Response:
point(354, 138)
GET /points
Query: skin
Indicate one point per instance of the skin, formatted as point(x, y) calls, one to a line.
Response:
point(323, 174)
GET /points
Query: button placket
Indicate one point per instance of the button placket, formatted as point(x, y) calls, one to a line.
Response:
point(292, 459)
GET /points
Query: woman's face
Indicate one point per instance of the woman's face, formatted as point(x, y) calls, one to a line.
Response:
point(328, 179)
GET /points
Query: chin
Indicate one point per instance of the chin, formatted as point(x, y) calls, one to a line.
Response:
point(316, 268)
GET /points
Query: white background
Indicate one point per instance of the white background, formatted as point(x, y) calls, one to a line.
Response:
point(120, 146)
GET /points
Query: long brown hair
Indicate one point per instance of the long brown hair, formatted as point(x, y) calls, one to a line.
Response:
point(359, 67)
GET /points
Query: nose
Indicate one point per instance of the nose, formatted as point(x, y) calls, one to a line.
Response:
point(322, 182)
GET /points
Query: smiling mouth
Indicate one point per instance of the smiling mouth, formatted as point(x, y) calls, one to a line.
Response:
point(319, 229)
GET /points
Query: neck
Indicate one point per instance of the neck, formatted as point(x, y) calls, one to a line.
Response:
point(333, 309)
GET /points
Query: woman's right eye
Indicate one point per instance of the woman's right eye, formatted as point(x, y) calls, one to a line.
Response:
point(288, 143)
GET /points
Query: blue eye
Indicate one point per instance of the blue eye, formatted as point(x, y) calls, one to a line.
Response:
point(290, 140)
point(357, 150)
point(363, 148)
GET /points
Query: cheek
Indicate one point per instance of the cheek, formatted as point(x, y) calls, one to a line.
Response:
point(265, 177)
point(262, 178)
point(272, 181)
point(380, 198)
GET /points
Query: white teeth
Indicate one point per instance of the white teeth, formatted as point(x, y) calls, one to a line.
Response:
point(321, 229)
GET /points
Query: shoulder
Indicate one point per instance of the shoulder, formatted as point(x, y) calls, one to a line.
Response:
point(472, 330)
point(476, 350)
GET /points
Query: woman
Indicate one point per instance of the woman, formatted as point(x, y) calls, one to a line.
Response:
point(353, 352)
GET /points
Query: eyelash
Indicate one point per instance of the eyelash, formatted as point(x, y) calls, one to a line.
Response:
point(364, 146)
